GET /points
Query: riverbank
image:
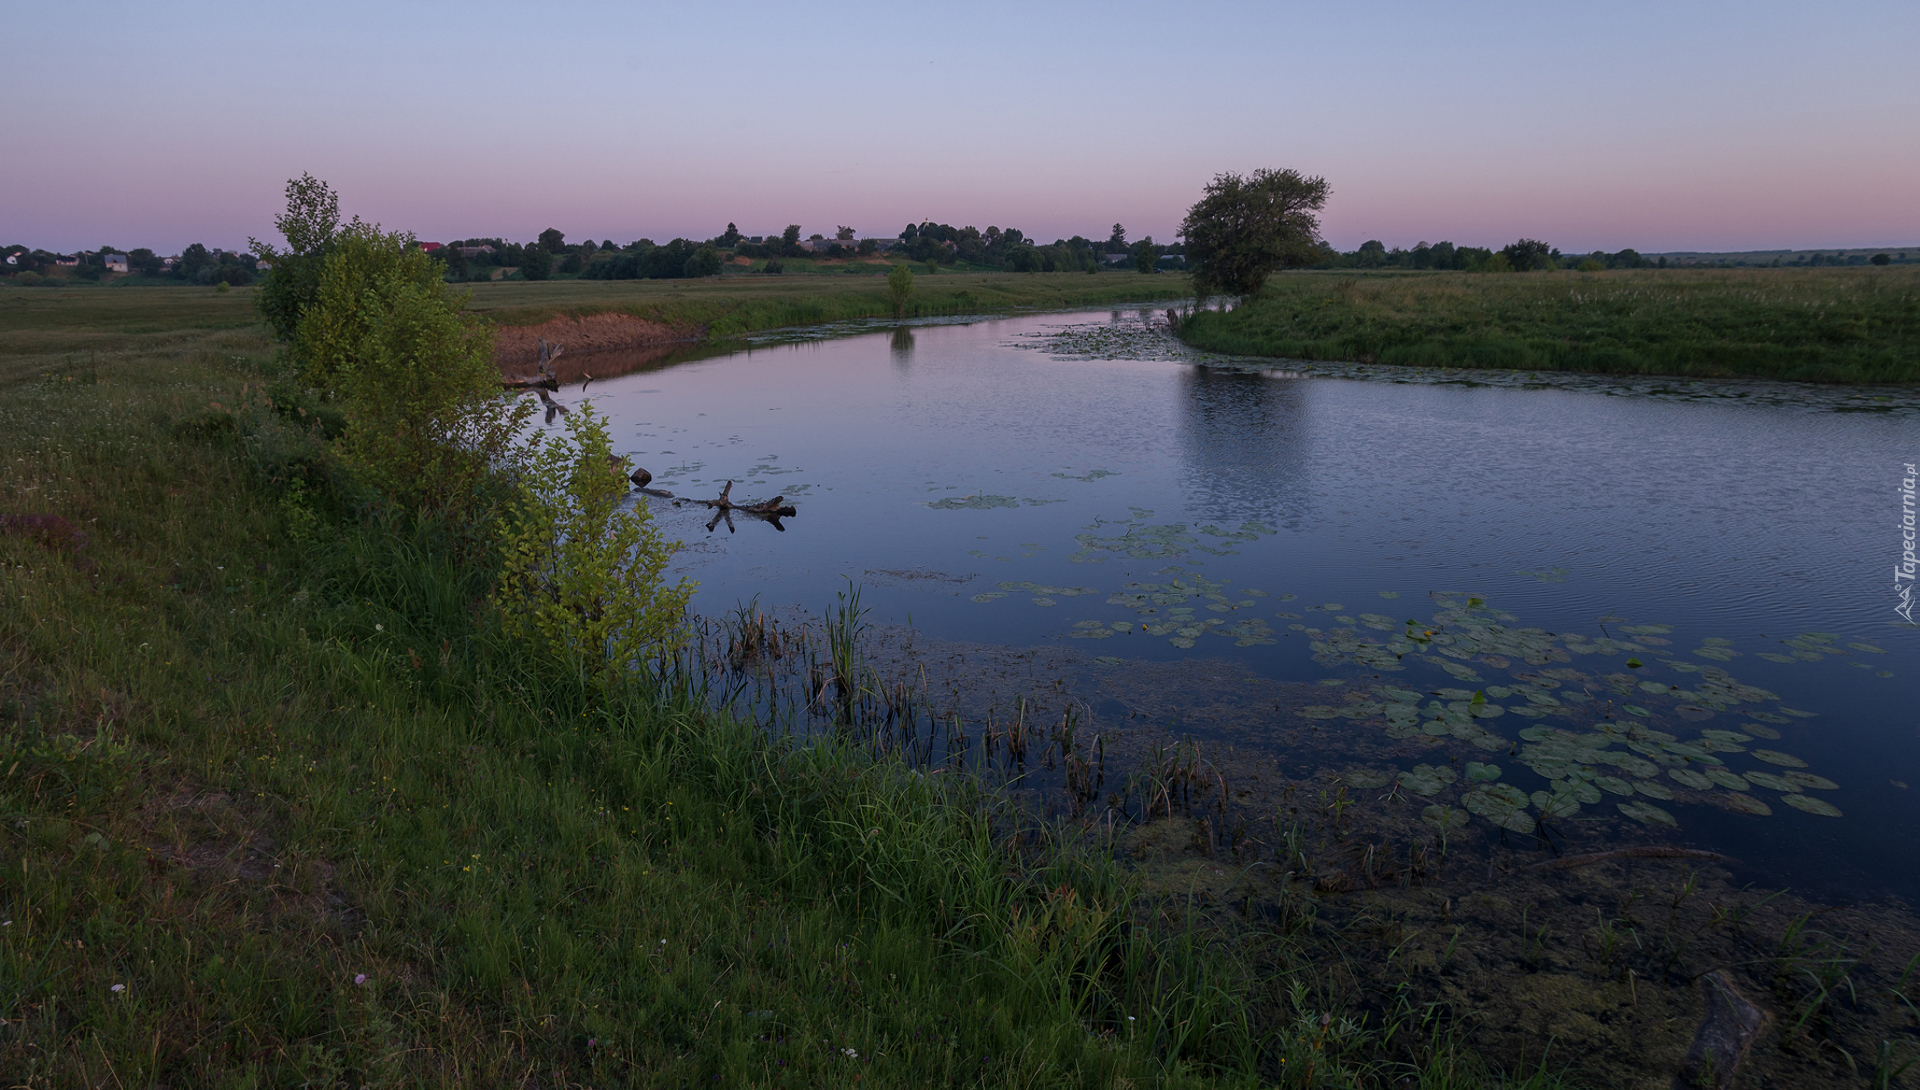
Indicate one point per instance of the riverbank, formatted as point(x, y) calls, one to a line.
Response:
point(1812, 325)
point(280, 806)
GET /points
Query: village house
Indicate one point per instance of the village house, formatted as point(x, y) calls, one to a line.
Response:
point(114, 262)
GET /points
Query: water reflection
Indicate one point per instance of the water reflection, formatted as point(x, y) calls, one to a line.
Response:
point(901, 345)
point(1246, 444)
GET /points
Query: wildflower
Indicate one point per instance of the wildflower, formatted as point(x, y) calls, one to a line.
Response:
point(118, 988)
point(360, 978)
point(851, 1054)
point(379, 628)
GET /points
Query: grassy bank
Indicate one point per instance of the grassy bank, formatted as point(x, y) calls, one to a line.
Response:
point(1815, 325)
point(739, 304)
point(280, 811)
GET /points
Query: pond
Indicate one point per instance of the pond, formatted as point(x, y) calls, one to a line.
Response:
point(1571, 611)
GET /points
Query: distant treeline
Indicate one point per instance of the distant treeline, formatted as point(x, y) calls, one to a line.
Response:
point(196, 264)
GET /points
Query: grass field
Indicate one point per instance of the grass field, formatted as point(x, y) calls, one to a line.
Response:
point(740, 304)
point(1818, 325)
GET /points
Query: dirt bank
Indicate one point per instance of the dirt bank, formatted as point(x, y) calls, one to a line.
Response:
point(516, 347)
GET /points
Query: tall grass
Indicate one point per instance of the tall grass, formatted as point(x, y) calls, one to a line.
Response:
point(1816, 325)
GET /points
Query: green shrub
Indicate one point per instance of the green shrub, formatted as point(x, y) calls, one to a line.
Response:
point(427, 426)
point(582, 573)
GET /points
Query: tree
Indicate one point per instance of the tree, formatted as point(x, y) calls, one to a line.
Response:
point(704, 261)
point(552, 241)
point(843, 233)
point(1146, 255)
point(899, 289)
point(1528, 254)
point(1244, 228)
point(1882, 259)
point(309, 225)
point(1117, 242)
point(537, 262)
point(730, 239)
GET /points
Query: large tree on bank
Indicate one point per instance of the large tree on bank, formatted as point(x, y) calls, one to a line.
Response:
point(1244, 228)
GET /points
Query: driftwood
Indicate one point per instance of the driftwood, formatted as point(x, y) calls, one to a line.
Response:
point(767, 511)
point(546, 380)
point(1643, 851)
point(526, 382)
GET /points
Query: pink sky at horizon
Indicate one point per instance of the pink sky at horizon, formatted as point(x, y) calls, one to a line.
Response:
point(1700, 127)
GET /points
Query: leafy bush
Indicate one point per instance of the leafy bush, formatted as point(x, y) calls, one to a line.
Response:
point(427, 426)
point(582, 573)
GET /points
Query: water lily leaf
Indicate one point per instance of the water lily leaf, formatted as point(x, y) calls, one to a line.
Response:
point(1428, 779)
point(989, 596)
point(1366, 778)
point(1811, 805)
point(1768, 717)
point(1648, 814)
point(1389, 594)
point(1773, 783)
point(1635, 709)
point(1493, 799)
point(1772, 656)
point(1614, 784)
point(1689, 777)
point(1810, 781)
point(1797, 713)
point(1654, 789)
point(1726, 779)
point(1647, 629)
point(1482, 773)
point(1868, 648)
point(1775, 757)
point(1745, 804)
point(1044, 602)
point(1756, 729)
point(1443, 818)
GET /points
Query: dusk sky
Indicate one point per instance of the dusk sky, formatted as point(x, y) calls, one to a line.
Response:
point(1660, 126)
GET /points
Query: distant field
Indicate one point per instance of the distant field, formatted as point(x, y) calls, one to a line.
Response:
point(739, 304)
point(94, 318)
point(1857, 325)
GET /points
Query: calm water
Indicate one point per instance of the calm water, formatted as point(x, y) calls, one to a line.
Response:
point(996, 483)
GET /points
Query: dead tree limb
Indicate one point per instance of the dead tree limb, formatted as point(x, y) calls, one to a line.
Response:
point(523, 382)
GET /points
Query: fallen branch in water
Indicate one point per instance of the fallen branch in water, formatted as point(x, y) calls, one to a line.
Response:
point(522, 382)
point(768, 511)
point(1644, 851)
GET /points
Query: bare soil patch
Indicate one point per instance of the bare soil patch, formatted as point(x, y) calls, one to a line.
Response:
point(516, 347)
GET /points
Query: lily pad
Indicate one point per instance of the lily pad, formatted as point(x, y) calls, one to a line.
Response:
point(1366, 778)
point(1773, 783)
point(1810, 781)
point(1689, 777)
point(1775, 757)
point(1444, 818)
point(1745, 804)
point(1726, 779)
point(1811, 805)
point(1614, 784)
point(1498, 803)
point(1482, 773)
point(1429, 780)
point(1389, 594)
point(1654, 789)
point(1648, 814)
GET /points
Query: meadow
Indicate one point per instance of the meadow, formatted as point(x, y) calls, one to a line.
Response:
point(723, 306)
point(1814, 325)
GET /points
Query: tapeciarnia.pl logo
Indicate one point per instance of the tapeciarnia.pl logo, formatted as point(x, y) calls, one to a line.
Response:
point(1903, 572)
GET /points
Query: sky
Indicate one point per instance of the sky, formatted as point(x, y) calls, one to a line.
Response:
point(1666, 126)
